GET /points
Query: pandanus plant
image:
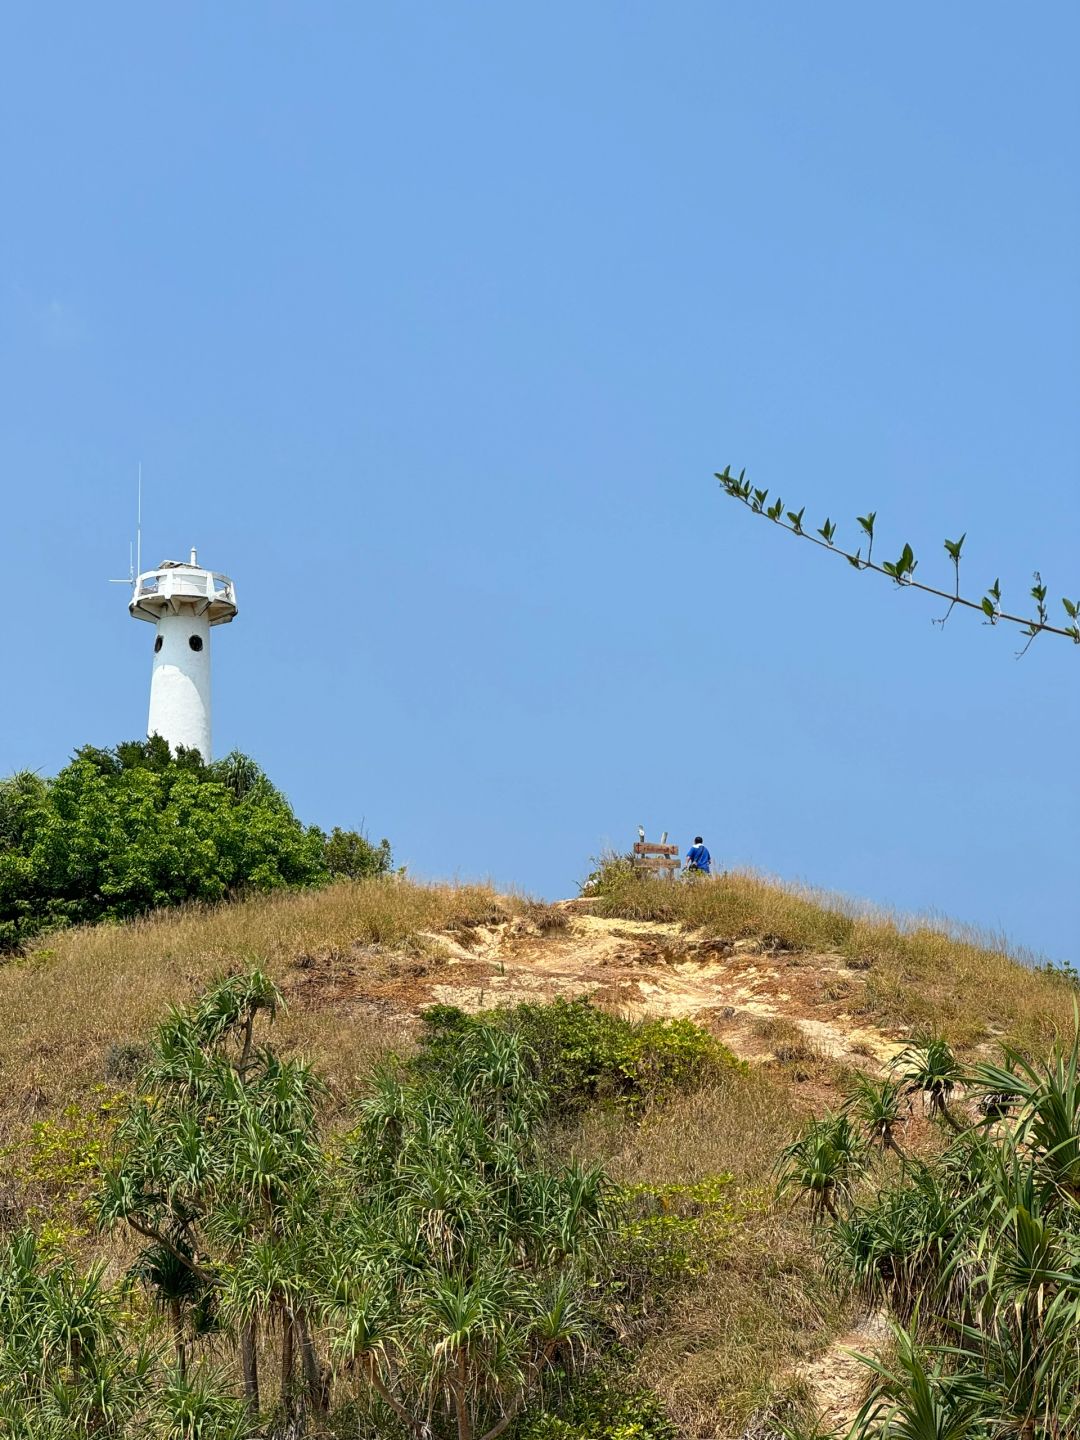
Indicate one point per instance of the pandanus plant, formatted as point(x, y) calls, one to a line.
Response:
point(878, 1106)
point(978, 1248)
point(464, 1268)
point(1046, 1097)
point(218, 1144)
point(176, 1288)
point(823, 1163)
point(933, 1070)
point(903, 1247)
point(200, 1408)
point(920, 1398)
point(68, 1366)
point(449, 1266)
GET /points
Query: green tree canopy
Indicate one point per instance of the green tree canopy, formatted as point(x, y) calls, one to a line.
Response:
point(119, 832)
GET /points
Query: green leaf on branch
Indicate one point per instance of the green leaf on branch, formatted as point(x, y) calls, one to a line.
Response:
point(901, 569)
point(827, 531)
point(867, 523)
point(991, 602)
point(730, 484)
point(796, 519)
point(954, 547)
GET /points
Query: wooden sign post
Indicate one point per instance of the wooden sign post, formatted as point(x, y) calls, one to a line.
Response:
point(656, 859)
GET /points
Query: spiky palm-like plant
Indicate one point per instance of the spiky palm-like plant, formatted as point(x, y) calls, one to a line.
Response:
point(464, 1268)
point(69, 1367)
point(220, 1141)
point(200, 1408)
point(978, 1249)
point(823, 1163)
point(448, 1265)
point(878, 1106)
point(914, 1400)
point(176, 1289)
point(933, 1070)
point(1046, 1095)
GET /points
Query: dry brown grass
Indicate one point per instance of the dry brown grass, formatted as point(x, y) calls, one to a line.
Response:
point(730, 1335)
point(919, 977)
point(81, 992)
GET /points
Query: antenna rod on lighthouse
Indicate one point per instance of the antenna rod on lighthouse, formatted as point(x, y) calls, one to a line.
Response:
point(138, 526)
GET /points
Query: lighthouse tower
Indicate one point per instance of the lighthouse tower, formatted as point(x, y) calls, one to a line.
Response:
point(183, 601)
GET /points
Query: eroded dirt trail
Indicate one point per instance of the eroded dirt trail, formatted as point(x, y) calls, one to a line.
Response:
point(838, 1379)
point(650, 968)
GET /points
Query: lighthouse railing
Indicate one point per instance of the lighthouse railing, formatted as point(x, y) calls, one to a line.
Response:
point(175, 581)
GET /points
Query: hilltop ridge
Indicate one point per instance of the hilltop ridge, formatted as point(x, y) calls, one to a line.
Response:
point(365, 956)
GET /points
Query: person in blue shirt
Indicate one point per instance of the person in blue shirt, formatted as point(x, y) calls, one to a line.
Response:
point(698, 857)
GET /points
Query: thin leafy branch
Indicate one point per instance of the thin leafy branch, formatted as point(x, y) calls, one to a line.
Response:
point(902, 570)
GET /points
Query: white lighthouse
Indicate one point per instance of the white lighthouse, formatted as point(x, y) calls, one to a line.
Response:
point(183, 601)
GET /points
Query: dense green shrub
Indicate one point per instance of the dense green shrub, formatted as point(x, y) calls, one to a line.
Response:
point(119, 832)
point(600, 1408)
point(349, 856)
point(583, 1054)
point(611, 871)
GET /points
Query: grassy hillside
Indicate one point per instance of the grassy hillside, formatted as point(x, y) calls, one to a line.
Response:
point(745, 1304)
point(83, 993)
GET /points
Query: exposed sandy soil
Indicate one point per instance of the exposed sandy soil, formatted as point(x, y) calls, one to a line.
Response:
point(757, 1000)
point(837, 1379)
point(648, 968)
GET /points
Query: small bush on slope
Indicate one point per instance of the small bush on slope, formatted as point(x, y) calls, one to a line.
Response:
point(600, 1409)
point(584, 1054)
point(120, 832)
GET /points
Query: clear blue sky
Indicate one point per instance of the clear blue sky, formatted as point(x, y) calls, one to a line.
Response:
point(430, 324)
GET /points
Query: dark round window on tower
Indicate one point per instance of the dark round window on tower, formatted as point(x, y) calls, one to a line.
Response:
point(157, 644)
point(195, 642)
